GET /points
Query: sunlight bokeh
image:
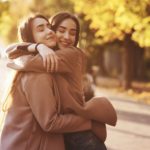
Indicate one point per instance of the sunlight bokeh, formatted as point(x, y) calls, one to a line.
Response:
point(6, 78)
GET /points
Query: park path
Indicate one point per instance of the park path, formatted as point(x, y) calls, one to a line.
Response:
point(132, 131)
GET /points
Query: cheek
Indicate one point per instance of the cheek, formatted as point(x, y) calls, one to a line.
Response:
point(35, 37)
point(73, 39)
point(58, 35)
point(38, 38)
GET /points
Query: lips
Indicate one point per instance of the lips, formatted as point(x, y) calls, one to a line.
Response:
point(50, 37)
point(65, 43)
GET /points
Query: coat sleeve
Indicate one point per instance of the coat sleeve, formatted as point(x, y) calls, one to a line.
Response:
point(69, 59)
point(44, 106)
point(16, 50)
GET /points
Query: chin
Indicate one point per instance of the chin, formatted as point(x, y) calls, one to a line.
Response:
point(52, 44)
point(62, 46)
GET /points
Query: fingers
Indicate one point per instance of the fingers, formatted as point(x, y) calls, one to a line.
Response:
point(54, 63)
point(44, 61)
point(50, 62)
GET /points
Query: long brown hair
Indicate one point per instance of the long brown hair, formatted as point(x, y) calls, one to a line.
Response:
point(57, 19)
point(25, 29)
point(25, 34)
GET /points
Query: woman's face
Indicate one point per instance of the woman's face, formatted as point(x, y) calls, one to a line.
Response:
point(42, 32)
point(66, 33)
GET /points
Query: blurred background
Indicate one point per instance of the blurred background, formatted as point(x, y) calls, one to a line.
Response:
point(115, 35)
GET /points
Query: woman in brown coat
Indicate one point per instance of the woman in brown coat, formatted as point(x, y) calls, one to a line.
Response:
point(33, 120)
point(74, 70)
point(73, 91)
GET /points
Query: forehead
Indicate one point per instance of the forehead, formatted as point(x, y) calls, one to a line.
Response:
point(68, 23)
point(38, 22)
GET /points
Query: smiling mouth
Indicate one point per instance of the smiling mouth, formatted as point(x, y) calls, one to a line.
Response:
point(51, 39)
point(65, 43)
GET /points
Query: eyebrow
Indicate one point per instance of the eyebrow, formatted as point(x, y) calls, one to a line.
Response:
point(41, 25)
point(65, 28)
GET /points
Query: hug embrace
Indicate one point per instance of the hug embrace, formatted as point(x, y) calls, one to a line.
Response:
point(46, 108)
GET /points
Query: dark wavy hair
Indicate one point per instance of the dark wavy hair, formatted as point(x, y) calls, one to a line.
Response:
point(57, 19)
point(25, 29)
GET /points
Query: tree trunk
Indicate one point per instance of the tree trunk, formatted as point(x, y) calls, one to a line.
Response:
point(127, 65)
point(139, 64)
point(126, 80)
point(136, 61)
point(132, 63)
point(101, 62)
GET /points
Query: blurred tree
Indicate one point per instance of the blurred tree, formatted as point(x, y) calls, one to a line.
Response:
point(10, 17)
point(13, 11)
point(50, 7)
point(124, 20)
point(4, 6)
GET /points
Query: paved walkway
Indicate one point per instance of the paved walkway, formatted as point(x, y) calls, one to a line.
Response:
point(132, 131)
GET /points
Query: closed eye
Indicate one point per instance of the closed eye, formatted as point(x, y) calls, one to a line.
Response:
point(60, 29)
point(73, 32)
point(40, 28)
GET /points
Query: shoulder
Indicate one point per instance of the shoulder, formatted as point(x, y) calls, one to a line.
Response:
point(78, 51)
point(82, 53)
point(69, 52)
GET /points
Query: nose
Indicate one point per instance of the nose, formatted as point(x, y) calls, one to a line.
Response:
point(66, 35)
point(49, 31)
